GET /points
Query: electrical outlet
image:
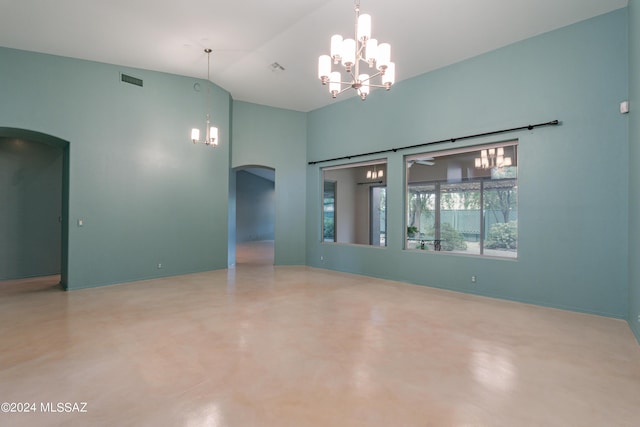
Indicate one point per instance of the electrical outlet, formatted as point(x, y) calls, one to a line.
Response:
point(159, 265)
point(473, 279)
point(638, 318)
point(321, 258)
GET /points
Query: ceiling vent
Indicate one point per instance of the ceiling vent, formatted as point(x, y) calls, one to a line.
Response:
point(275, 67)
point(131, 80)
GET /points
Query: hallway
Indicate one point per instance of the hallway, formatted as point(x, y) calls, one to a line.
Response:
point(255, 253)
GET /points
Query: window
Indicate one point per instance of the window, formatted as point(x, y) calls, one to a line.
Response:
point(378, 223)
point(354, 203)
point(328, 212)
point(464, 201)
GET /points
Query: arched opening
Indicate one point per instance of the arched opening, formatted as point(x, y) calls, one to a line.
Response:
point(254, 215)
point(34, 201)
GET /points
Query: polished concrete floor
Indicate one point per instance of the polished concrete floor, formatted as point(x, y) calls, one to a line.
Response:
point(259, 345)
point(259, 252)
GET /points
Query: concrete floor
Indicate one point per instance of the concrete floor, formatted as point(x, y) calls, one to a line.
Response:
point(255, 253)
point(259, 345)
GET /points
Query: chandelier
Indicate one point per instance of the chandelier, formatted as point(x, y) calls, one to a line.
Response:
point(349, 53)
point(375, 173)
point(211, 137)
point(492, 158)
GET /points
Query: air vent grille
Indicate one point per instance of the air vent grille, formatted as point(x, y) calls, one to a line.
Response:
point(131, 80)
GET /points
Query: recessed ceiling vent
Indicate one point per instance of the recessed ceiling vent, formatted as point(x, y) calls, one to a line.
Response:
point(131, 80)
point(275, 67)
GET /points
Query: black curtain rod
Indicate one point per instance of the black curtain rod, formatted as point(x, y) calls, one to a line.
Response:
point(451, 140)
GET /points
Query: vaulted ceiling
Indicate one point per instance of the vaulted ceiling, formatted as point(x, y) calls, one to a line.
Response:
point(248, 36)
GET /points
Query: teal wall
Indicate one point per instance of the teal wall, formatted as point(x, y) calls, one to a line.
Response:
point(573, 190)
point(634, 170)
point(30, 208)
point(255, 207)
point(276, 138)
point(146, 194)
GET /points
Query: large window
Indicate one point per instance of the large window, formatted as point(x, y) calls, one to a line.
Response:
point(464, 201)
point(354, 203)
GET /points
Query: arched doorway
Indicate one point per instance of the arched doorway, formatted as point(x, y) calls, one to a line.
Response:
point(35, 194)
point(254, 215)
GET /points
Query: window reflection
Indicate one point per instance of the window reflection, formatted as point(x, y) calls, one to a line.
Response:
point(492, 366)
point(355, 203)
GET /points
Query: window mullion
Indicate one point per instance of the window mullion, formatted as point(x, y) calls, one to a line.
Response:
point(436, 227)
point(481, 217)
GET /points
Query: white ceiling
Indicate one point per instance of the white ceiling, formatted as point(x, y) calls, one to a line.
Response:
point(247, 36)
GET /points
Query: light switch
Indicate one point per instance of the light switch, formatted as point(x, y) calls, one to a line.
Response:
point(624, 107)
point(80, 223)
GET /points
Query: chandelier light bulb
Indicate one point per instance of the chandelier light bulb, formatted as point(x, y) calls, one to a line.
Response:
point(213, 135)
point(348, 53)
point(371, 51)
point(324, 68)
point(334, 83)
point(389, 76)
point(384, 56)
point(336, 48)
point(364, 27)
point(195, 135)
